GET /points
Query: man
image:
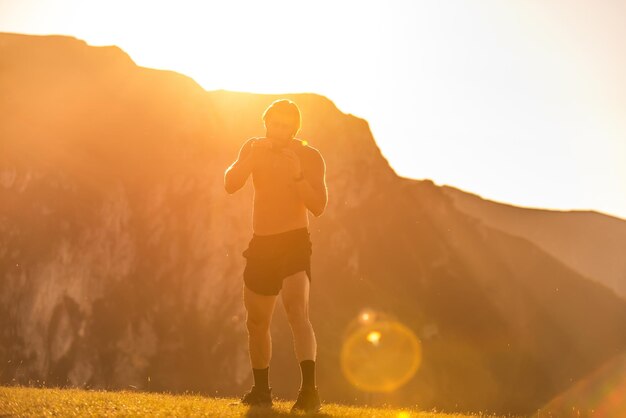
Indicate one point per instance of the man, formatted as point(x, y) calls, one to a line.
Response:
point(289, 179)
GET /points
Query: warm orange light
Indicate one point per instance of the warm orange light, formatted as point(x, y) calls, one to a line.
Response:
point(373, 337)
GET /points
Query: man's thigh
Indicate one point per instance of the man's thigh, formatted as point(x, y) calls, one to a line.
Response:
point(295, 293)
point(259, 307)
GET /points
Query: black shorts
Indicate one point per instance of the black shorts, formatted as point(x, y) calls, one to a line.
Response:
point(271, 258)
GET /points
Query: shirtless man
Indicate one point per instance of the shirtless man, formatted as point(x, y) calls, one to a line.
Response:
point(289, 179)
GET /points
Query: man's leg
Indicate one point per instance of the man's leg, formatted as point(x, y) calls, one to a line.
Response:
point(259, 317)
point(295, 297)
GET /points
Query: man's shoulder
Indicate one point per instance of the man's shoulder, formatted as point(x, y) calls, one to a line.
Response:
point(246, 146)
point(251, 140)
point(308, 149)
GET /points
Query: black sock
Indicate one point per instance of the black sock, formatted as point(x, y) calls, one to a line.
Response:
point(261, 378)
point(307, 369)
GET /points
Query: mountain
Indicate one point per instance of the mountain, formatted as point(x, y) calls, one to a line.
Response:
point(120, 251)
point(589, 242)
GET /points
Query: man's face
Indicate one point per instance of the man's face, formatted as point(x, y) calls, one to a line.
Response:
point(280, 126)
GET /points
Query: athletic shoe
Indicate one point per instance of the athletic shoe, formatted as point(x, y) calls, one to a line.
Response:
point(308, 400)
point(258, 397)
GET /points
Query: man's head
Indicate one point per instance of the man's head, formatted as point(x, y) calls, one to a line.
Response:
point(282, 119)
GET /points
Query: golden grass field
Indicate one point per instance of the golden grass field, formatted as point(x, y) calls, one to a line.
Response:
point(25, 401)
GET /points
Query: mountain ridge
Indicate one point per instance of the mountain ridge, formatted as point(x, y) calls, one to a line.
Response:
point(589, 242)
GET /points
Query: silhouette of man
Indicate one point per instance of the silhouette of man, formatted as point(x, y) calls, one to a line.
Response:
point(289, 179)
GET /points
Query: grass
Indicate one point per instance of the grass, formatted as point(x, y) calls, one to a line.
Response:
point(27, 401)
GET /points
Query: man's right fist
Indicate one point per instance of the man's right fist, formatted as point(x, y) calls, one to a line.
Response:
point(257, 149)
point(259, 145)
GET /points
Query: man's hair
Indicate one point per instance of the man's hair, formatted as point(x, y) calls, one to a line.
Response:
point(285, 107)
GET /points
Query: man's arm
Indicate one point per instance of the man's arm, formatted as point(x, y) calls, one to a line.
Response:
point(239, 171)
point(312, 188)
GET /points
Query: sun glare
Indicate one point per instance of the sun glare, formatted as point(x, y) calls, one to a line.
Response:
point(437, 82)
point(373, 337)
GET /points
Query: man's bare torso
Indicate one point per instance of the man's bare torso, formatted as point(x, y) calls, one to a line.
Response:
point(277, 204)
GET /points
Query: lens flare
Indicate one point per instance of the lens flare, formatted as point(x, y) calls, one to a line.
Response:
point(380, 355)
point(373, 337)
point(367, 316)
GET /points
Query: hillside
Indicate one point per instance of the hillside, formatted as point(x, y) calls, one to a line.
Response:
point(590, 243)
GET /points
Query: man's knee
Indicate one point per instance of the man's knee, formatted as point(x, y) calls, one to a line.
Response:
point(257, 325)
point(297, 314)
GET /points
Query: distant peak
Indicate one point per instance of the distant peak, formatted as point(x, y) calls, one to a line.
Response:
point(64, 45)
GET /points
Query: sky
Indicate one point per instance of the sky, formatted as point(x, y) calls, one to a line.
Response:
point(518, 101)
